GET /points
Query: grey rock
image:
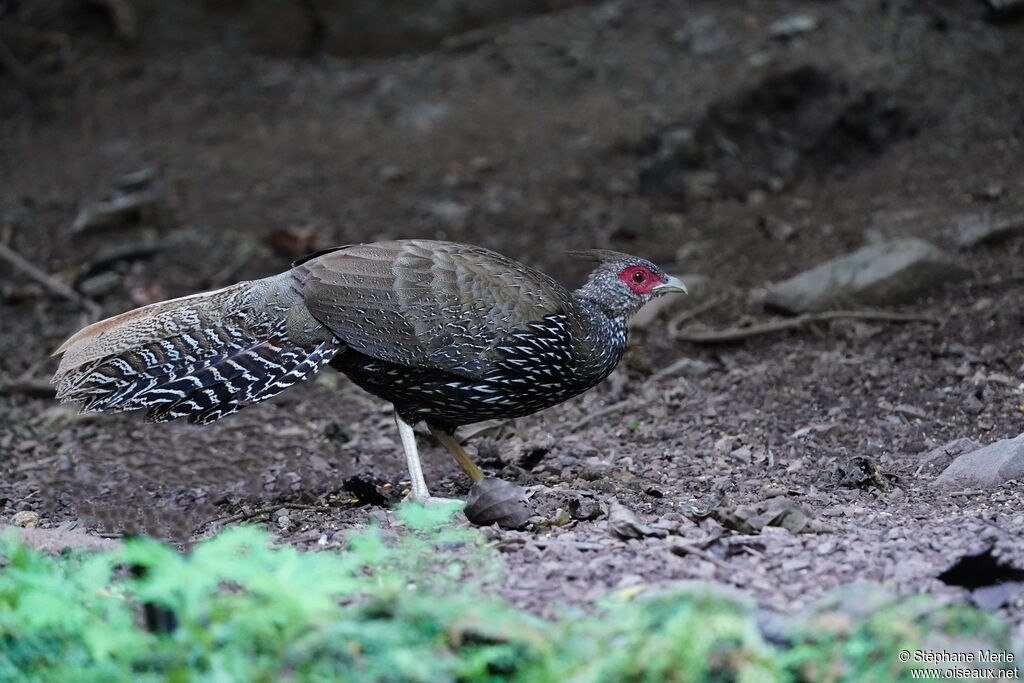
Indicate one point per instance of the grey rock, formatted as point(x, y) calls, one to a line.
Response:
point(880, 274)
point(990, 466)
point(982, 230)
point(941, 456)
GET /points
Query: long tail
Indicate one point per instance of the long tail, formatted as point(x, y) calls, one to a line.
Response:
point(202, 356)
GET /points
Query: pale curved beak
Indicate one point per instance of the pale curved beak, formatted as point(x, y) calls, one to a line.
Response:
point(673, 284)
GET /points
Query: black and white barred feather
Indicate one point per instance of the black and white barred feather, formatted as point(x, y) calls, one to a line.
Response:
point(201, 358)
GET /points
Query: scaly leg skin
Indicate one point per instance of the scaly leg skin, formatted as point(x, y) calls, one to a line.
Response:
point(419, 492)
point(452, 444)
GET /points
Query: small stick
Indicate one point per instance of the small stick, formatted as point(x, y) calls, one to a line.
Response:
point(734, 334)
point(968, 492)
point(668, 370)
point(607, 410)
point(999, 280)
point(48, 281)
point(689, 314)
point(222, 522)
point(680, 548)
point(30, 386)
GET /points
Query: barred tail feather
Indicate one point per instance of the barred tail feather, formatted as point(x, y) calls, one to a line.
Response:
point(202, 357)
point(232, 382)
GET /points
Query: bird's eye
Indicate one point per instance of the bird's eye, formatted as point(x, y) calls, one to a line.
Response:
point(639, 277)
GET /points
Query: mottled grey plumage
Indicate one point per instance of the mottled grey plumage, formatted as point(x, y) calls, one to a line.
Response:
point(449, 333)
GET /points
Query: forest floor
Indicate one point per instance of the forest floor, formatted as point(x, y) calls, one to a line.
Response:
point(793, 144)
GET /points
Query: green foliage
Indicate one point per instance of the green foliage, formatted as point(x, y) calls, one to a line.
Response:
point(412, 609)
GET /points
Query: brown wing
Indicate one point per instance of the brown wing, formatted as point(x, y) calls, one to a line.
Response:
point(424, 303)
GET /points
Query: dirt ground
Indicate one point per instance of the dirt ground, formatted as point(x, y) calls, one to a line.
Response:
point(697, 134)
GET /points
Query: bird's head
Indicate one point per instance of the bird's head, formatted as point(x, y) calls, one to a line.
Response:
point(621, 284)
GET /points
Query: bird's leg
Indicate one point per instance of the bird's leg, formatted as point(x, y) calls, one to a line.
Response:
point(452, 444)
point(419, 493)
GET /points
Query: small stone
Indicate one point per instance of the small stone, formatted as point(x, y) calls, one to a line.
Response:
point(703, 35)
point(792, 26)
point(594, 472)
point(100, 284)
point(973, 405)
point(481, 164)
point(623, 524)
point(726, 444)
point(27, 519)
point(743, 454)
point(123, 210)
point(584, 509)
point(776, 229)
point(391, 173)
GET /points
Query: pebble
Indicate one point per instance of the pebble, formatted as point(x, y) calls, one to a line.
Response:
point(26, 519)
point(792, 26)
point(743, 454)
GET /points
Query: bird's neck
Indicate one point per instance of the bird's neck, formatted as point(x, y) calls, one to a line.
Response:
point(609, 331)
point(595, 296)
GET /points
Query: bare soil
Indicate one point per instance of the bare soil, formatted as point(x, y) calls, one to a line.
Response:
point(734, 157)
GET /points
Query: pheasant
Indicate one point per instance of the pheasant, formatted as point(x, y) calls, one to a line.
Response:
point(449, 333)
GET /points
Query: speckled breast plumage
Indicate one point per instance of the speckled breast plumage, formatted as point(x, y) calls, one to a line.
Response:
point(537, 367)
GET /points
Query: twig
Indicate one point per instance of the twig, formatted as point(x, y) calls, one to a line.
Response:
point(689, 314)
point(670, 369)
point(734, 334)
point(36, 387)
point(680, 548)
point(48, 281)
point(607, 410)
point(219, 523)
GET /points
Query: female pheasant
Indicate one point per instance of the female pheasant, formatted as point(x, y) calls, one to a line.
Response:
point(449, 333)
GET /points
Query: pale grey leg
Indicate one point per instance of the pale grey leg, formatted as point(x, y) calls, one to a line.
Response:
point(419, 493)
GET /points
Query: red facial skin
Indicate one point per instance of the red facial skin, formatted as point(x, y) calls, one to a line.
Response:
point(640, 280)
